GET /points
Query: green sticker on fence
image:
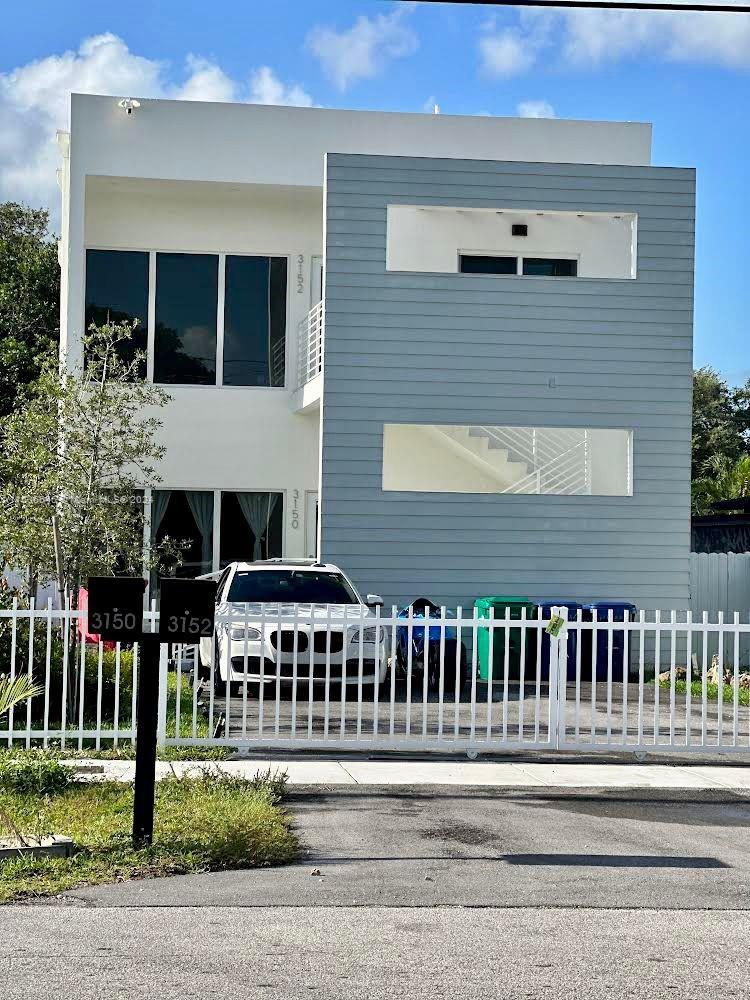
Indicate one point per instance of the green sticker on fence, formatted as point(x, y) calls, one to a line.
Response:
point(555, 626)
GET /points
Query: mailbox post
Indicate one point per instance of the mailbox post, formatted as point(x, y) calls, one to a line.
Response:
point(187, 609)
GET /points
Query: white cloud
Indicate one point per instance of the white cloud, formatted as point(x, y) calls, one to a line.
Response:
point(506, 53)
point(207, 82)
point(267, 88)
point(687, 37)
point(536, 109)
point(590, 38)
point(362, 51)
point(34, 101)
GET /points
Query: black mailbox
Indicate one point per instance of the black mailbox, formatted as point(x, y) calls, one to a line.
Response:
point(186, 610)
point(115, 607)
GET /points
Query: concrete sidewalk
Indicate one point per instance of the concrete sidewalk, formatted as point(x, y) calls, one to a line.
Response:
point(327, 773)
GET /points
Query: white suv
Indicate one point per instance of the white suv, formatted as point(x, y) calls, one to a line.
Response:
point(254, 636)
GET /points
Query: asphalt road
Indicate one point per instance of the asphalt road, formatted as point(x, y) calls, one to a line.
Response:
point(424, 893)
point(368, 954)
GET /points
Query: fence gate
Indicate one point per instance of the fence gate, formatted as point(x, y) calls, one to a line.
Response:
point(348, 678)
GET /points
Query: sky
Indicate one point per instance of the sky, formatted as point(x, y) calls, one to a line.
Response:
point(687, 73)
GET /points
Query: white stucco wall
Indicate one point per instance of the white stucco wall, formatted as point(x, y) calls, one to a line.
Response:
point(225, 437)
point(430, 239)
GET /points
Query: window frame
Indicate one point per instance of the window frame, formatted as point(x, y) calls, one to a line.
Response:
point(520, 255)
point(221, 287)
point(215, 553)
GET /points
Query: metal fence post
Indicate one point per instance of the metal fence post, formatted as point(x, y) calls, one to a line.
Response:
point(558, 677)
point(161, 721)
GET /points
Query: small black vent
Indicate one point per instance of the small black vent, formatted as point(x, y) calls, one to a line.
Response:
point(519, 229)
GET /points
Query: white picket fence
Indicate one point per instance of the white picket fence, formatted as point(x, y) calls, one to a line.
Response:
point(592, 689)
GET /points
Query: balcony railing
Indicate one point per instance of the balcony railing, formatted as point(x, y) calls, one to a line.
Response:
point(310, 346)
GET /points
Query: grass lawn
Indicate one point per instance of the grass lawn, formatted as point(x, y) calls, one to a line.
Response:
point(712, 692)
point(202, 824)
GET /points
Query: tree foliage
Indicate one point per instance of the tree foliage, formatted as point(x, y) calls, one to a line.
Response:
point(29, 299)
point(721, 438)
point(80, 447)
point(725, 480)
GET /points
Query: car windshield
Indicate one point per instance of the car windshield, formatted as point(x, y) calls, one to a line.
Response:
point(290, 586)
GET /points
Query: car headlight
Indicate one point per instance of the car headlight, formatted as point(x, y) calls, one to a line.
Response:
point(373, 634)
point(239, 633)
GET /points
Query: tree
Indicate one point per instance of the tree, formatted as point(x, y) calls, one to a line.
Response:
point(725, 480)
point(29, 298)
point(80, 448)
point(721, 436)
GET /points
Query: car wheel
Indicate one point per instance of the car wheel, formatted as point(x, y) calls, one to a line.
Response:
point(219, 685)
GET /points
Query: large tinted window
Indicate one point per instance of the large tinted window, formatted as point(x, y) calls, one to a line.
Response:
point(251, 526)
point(185, 337)
point(290, 587)
point(117, 292)
point(254, 321)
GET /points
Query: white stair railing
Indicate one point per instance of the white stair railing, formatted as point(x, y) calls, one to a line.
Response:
point(558, 459)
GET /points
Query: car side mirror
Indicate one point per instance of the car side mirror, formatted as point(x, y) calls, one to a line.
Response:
point(374, 601)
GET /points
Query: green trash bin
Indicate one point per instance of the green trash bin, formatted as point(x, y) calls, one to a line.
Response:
point(515, 606)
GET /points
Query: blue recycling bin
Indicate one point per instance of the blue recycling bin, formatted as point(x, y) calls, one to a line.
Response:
point(600, 610)
point(545, 610)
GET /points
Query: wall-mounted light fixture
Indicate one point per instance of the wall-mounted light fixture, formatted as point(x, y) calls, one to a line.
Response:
point(128, 104)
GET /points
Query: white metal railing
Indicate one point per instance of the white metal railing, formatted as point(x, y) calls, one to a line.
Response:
point(310, 345)
point(559, 459)
point(326, 676)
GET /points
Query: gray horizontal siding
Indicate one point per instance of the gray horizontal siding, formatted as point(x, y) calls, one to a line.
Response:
point(437, 348)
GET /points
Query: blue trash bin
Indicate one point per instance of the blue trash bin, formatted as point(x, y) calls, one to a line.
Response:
point(545, 610)
point(600, 610)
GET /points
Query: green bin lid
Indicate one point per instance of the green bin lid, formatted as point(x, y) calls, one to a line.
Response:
point(502, 601)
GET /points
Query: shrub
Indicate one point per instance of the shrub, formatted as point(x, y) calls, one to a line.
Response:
point(34, 772)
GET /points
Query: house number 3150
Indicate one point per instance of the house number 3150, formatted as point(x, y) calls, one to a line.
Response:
point(295, 509)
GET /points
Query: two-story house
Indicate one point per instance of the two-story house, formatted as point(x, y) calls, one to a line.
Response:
point(451, 354)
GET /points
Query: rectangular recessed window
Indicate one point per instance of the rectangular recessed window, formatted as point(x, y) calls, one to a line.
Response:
point(186, 303)
point(549, 267)
point(561, 461)
point(251, 526)
point(117, 292)
point(486, 264)
point(255, 321)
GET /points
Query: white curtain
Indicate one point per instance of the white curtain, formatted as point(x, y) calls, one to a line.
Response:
point(159, 502)
point(257, 509)
point(201, 504)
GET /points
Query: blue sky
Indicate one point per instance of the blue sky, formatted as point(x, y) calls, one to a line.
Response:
point(687, 73)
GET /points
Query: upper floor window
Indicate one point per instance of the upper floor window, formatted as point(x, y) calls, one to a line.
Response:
point(549, 267)
point(187, 286)
point(254, 321)
point(477, 263)
point(117, 292)
point(215, 319)
point(544, 267)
